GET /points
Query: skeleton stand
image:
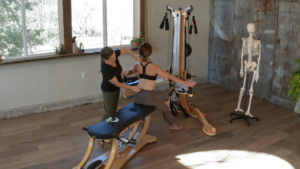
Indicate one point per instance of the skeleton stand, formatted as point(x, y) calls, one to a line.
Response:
point(243, 115)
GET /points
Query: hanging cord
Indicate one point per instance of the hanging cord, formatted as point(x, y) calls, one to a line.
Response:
point(188, 41)
point(193, 25)
point(188, 24)
point(170, 45)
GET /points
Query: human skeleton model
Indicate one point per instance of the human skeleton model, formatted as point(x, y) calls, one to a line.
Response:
point(177, 99)
point(251, 47)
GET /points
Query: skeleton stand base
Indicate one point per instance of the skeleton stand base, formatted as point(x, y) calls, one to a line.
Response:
point(243, 115)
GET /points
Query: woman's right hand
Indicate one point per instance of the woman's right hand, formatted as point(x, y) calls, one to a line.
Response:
point(190, 83)
point(136, 89)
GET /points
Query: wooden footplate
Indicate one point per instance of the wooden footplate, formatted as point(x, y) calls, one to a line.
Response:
point(194, 112)
point(207, 128)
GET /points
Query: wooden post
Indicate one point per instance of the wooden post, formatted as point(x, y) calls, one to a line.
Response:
point(142, 19)
point(67, 21)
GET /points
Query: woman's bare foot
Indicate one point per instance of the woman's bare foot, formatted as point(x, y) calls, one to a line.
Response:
point(175, 127)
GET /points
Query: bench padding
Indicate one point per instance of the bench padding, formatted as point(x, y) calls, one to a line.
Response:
point(128, 115)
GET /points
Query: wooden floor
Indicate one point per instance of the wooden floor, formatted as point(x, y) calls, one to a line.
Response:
point(55, 139)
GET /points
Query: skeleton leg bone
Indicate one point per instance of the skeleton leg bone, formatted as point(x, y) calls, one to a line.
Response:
point(251, 95)
point(242, 92)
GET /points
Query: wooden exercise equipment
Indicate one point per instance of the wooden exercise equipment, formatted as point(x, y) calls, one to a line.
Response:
point(122, 149)
point(181, 50)
point(131, 80)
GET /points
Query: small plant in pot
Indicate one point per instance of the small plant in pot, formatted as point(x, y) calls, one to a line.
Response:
point(60, 50)
point(137, 41)
point(82, 50)
point(79, 48)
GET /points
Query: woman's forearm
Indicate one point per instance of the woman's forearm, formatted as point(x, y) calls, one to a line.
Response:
point(130, 52)
point(177, 80)
point(130, 72)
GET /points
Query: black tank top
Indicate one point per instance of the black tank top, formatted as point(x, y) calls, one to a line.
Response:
point(144, 76)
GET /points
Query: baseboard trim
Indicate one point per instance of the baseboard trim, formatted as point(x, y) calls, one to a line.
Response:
point(45, 107)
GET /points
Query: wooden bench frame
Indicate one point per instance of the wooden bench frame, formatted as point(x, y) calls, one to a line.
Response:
point(114, 159)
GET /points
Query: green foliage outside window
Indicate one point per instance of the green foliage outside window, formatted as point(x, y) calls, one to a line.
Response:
point(11, 29)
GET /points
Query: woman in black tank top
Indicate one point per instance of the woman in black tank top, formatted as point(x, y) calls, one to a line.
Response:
point(147, 97)
point(112, 80)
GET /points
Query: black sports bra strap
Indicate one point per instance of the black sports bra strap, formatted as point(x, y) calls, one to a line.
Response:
point(144, 67)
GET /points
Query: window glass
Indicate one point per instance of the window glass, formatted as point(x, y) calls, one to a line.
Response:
point(87, 23)
point(119, 22)
point(11, 36)
point(42, 26)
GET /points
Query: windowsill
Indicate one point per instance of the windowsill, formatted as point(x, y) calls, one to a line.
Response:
point(38, 58)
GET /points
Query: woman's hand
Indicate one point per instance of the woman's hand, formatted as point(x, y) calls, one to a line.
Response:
point(136, 89)
point(124, 73)
point(190, 83)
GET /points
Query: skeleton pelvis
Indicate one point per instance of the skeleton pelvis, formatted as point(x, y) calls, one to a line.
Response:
point(250, 65)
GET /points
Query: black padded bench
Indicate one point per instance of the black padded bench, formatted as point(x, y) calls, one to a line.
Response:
point(128, 115)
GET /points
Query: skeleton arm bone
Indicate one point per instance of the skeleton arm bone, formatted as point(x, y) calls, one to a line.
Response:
point(258, 62)
point(242, 56)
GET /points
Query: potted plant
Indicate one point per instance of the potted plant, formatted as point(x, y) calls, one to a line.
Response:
point(294, 87)
point(74, 44)
point(82, 50)
point(137, 41)
point(79, 48)
point(60, 50)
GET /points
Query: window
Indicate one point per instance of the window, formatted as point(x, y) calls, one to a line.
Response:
point(35, 27)
point(28, 27)
point(100, 23)
point(119, 22)
point(87, 23)
point(11, 37)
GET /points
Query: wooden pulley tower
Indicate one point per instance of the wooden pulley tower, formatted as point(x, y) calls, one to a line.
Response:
point(178, 67)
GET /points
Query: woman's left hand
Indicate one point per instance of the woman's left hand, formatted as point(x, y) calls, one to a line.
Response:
point(124, 73)
point(190, 83)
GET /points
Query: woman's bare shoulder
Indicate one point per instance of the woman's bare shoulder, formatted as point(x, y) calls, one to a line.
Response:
point(156, 66)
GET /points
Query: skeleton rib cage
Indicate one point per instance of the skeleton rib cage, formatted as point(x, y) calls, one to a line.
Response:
point(254, 47)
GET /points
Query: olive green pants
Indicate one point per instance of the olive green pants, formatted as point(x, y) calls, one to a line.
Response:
point(110, 101)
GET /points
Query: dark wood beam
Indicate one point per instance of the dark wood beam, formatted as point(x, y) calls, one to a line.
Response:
point(142, 19)
point(67, 21)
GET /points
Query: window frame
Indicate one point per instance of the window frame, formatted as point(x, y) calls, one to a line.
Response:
point(136, 26)
point(64, 7)
point(24, 32)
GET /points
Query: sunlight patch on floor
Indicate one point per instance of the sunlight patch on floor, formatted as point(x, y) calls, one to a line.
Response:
point(232, 159)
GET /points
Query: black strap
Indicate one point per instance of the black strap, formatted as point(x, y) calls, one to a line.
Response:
point(144, 67)
point(167, 24)
point(195, 25)
point(163, 22)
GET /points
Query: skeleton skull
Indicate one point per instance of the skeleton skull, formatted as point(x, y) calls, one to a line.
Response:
point(251, 28)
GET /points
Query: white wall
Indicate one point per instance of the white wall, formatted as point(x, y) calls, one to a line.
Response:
point(33, 83)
